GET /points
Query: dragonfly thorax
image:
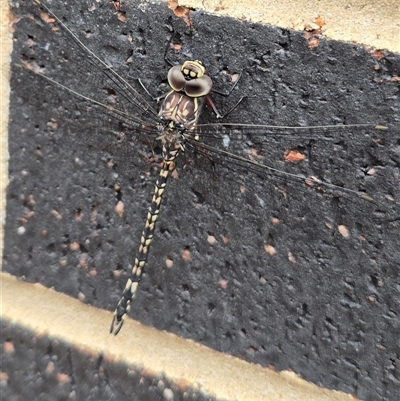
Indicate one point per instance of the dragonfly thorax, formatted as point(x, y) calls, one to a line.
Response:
point(171, 133)
point(180, 109)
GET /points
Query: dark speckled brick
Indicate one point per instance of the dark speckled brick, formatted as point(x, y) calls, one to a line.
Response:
point(36, 368)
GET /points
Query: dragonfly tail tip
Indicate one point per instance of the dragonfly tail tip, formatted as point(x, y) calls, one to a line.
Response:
point(116, 324)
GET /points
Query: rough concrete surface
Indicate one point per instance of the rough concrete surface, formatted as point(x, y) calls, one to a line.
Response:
point(373, 24)
point(149, 365)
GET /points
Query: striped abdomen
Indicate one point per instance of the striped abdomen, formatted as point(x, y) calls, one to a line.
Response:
point(145, 241)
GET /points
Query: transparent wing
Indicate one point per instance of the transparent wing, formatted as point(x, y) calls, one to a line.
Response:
point(329, 159)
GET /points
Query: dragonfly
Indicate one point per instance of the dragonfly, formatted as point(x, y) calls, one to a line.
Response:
point(176, 127)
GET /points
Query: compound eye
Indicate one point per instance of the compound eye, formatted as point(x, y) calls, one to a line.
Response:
point(198, 87)
point(176, 79)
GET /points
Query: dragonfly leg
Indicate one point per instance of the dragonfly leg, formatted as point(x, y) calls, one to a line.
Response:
point(215, 110)
point(226, 94)
point(155, 98)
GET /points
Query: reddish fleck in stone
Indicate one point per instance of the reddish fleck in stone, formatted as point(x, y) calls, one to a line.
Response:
point(78, 215)
point(314, 42)
point(186, 254)
point(63, 378)
point(378, 54)
point(120, 208)
point(8, 347)
point(270, 249)
point(30, 214)
point(121, 16)
point(56, 214)
point(3, 378)
point(223, 284)
point(320, 21)
point(116, 273)
point(211, 239)
point(344, 231)
point(50, 367)
point(293, 156)
point(83, 261)
point(74, 246)
point(46, 18)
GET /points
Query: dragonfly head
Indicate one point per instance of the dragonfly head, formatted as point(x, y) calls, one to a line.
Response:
point(191, 78)
point(192, 69)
